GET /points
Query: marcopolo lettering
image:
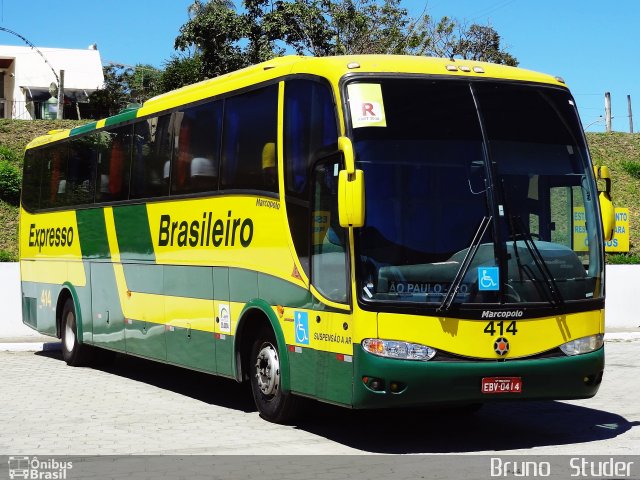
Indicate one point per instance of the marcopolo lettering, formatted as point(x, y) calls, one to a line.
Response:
point(50, 237)
point(502, 314)
point(206, 232)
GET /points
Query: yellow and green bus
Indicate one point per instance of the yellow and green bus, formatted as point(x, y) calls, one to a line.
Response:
point(368, 231)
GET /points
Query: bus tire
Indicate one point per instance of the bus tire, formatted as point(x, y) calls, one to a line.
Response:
point(73, 352)
point(273, 404)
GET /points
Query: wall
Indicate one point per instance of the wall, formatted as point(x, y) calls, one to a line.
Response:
point(623, 297)
point(623, 300)
point(83, 70)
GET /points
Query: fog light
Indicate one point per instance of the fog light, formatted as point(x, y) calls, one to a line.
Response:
point(375, 384)
point(583, 345)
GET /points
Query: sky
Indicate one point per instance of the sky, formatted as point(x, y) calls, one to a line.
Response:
point(592, 44)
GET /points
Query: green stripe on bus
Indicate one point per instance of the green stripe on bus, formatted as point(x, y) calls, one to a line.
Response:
point(121, 117)
point(134, 235)
point(212, 283)
point(92, 232)
point(89, 127)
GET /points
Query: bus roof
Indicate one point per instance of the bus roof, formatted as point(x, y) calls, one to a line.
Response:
point(332, 68)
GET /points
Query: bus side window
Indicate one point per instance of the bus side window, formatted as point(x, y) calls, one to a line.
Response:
point(250, 127)
point(196, 150)
point(114, 164)
point(83, 152)
point(54, 176)
point(31, 179)
point(151, 170)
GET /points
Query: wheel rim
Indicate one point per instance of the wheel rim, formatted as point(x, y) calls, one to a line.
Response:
point(268, 370)
point(69, 333)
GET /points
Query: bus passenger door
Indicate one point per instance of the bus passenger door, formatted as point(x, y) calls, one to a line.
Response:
point(334, 367)
point(108, 319)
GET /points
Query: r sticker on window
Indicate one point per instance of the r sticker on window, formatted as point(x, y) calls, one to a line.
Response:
point(367, 107)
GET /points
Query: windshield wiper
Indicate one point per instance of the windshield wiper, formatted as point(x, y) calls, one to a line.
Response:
point(464, 266)
point(553, 292)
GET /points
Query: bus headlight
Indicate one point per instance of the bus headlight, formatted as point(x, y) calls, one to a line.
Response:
point(399, 350)
point(583, 345)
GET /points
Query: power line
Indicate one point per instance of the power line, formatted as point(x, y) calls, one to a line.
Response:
point(34, 48)
point(492, 9)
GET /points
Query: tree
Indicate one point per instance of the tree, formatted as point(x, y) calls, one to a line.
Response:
point(224, 39)
point(114, 95)
point(180, 71)
point(214, 31)
point(341, 27)
point(450, 38)
point(144, 83)
point(123, 85)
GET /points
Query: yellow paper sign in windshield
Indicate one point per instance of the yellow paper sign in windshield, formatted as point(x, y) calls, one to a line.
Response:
point(367, 107)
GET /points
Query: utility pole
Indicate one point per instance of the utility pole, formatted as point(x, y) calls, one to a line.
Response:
point(630, 114)
point(61, 96)
point(607, 111)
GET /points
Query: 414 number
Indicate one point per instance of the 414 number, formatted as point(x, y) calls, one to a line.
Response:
point(494, 327)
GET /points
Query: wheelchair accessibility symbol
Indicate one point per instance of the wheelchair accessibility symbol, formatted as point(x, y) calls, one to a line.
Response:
point(301, 326)
point(488, 278)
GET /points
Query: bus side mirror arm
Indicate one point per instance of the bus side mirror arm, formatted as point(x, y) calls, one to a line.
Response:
point(351, 204)
point(607, 210)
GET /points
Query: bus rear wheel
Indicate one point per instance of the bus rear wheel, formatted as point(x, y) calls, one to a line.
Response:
point(273, 404)
point(73, 352)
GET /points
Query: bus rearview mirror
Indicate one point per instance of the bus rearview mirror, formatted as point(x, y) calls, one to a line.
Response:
point(351, 198)
point(602, 173)
point(607, 210)
point(350, 188)
point(608, 214)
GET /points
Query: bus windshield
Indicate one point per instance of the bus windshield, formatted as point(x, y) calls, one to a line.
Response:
point(444, 158)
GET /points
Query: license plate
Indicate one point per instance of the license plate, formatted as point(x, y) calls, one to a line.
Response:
point(493, 385)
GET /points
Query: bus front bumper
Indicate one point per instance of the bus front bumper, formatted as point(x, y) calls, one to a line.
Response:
point(405, 383)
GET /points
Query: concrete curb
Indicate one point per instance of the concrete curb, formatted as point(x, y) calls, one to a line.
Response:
point(30, 346)
point(621, 336)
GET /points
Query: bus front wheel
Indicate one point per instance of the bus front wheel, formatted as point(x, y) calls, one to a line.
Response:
point(273, 404)
point(73, 352)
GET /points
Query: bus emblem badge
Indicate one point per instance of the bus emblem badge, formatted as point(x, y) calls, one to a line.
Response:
point(501, 346)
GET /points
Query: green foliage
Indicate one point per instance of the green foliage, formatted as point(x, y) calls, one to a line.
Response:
point(10, 182)
point(6, 256)
point(632, 168)
point(224, 40)
point(7, 154)
point(180, 71)
point(623, 259)
point(123, 85)
point(450, 38)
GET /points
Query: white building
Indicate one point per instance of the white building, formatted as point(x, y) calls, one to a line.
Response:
point(25, 80)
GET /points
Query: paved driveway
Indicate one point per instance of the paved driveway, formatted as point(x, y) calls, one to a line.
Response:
point(139, 407)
